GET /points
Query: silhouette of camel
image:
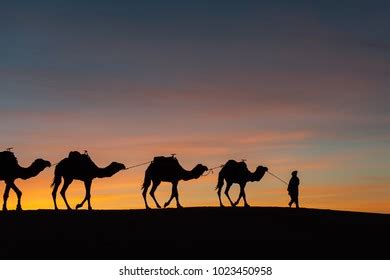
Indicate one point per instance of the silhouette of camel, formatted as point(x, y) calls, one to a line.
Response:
point(79, 166)
point(237, 172)
point(10, 170)
point(168, 169)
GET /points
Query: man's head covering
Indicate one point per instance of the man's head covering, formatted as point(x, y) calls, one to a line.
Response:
point(294, 173)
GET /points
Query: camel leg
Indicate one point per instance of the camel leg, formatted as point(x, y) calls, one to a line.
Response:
point(170, 199)
point(144, 192)
point(173, 195)
point(243, 195)
point(219, 197)
point(154, 187)
point(54, 195)
point(238, 199)
point(18, 194)
point(6, 195)
point(176, 193)
point(239, 196)
point(227, 193)
point(67, 182)
point(87, 197)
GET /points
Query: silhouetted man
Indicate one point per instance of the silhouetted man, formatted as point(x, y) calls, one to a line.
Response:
point(293, 189)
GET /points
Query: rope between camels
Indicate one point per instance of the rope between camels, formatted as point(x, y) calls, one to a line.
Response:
point(137, 165)
point(277, 177)
point(211, 170)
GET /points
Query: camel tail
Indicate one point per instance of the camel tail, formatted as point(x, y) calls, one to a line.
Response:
point(148, 178)
point(57, 177)
point(220, 180)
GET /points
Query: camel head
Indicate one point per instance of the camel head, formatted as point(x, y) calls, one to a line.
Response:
point(41, 164)
point(198, 170)
point(116, 166)
point(259, 173)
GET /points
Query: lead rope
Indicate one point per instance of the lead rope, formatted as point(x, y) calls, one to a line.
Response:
point(277, 177)
point(137, 165)
point(211, 170)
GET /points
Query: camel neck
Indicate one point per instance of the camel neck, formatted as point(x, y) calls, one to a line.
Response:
point(188, 175)
point(254, 176)
point(27, 172)
point(104, 172)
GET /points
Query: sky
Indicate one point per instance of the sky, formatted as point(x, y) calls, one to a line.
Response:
point(291, 85)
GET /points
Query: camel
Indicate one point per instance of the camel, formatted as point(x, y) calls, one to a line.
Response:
point(79, 166)
point(168, 169)
point(10, 170)
point(237, 172)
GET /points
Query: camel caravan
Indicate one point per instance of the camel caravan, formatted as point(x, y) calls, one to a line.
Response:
point(79, 166)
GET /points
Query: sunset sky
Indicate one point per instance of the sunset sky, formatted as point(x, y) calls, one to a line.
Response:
point(286, 84)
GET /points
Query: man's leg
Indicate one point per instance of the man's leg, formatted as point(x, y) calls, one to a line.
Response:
point(296, 202)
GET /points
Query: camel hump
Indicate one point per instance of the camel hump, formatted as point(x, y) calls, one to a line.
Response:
point(231, 162)
point(167, 162)
point(234, 163)
point(8, 157)
point(162, 159)
point(76, 155)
